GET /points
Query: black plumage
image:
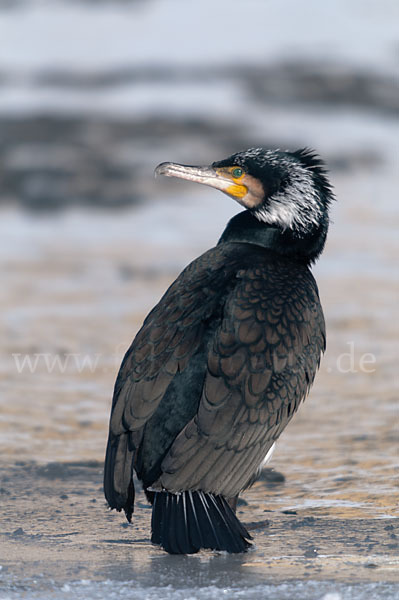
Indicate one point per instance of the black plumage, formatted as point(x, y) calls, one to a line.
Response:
point(223, 361)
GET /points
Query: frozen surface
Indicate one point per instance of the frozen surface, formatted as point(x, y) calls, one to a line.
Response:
point(131, 590)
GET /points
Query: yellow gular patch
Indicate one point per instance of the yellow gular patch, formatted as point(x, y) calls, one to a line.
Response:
point(238, 191)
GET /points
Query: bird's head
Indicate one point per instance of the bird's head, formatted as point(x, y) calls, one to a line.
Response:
point(286, 190)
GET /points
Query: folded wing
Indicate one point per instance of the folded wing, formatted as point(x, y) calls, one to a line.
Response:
point(262, 361)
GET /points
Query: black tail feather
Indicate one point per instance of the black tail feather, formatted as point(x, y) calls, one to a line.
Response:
point(165, 507)
point(182, 538)
point(172, 525)
point(186, 522)
point(205, 522)
point(156, 520)
point(192, 518)
point(231, 517)
point(225, 523)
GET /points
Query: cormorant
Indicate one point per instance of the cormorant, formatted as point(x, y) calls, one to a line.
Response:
point(224, 359)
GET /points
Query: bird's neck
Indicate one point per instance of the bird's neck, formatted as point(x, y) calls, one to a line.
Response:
point(245, 228)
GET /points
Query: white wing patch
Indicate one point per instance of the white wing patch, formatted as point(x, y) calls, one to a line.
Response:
point(267, 457)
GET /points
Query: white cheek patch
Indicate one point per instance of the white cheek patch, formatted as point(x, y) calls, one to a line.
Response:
point(297, 207)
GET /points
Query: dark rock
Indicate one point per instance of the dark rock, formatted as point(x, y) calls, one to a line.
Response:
point(89, 464)
point(306, 522)
point(271, 478)
point(54, 471)
point(242, 502)
point(257, 524)
point(311, 552)
point(50, 162)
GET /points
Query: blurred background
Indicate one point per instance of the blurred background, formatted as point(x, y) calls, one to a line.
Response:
point(93, 95)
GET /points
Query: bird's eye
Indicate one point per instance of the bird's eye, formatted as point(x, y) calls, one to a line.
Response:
point(237, 172)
